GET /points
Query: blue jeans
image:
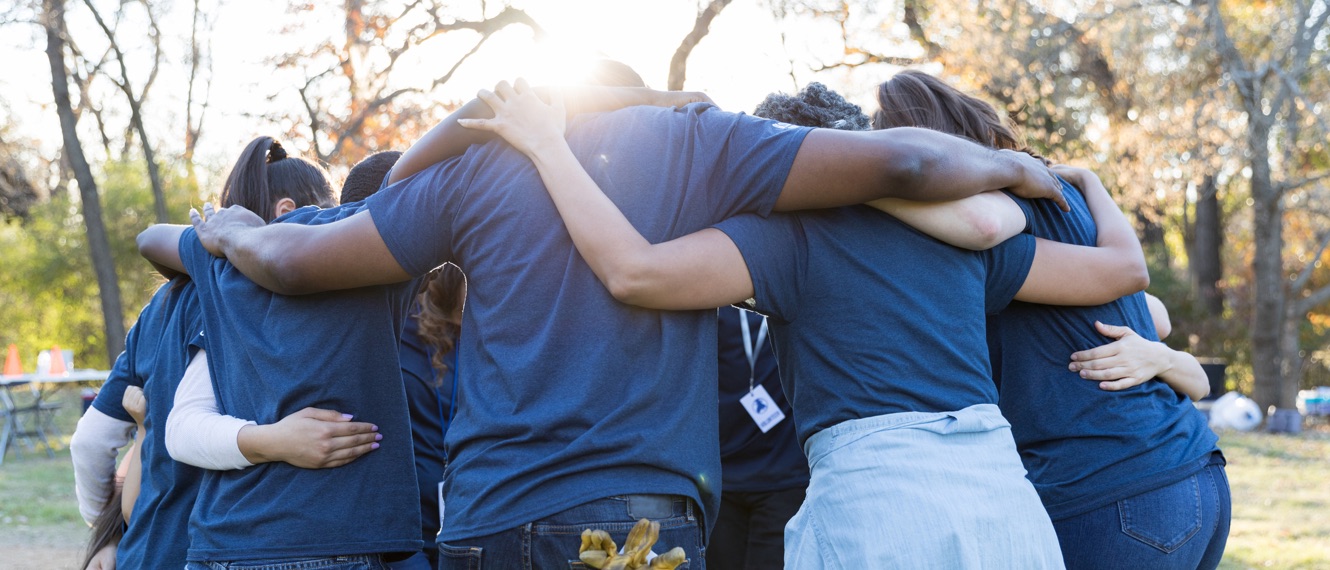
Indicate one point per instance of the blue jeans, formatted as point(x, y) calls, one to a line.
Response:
point(1180, 525)
point(553, 542)
point(358, 562)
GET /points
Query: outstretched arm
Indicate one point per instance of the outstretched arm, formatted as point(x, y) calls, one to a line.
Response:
point(697, 271)
point(1131, 360)
point(448, 138)
point(1065, 274)
point(840, 168)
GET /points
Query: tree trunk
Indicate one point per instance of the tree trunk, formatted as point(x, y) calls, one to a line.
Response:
point(98, 244)
point(154, 177)
point(1268, 270)
point(1208, 240)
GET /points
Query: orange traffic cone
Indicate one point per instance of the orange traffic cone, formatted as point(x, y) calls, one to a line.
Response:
point(57, 360)
point(12, 367)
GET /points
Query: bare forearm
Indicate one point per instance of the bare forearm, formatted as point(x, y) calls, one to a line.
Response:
point(839, 168)
point(976, 223)
point(129, 494)
point(1185, 375)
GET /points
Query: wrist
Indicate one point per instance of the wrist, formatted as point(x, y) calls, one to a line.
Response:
point(256, 443)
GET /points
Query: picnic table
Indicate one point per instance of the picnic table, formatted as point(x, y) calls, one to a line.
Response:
point(33, 419)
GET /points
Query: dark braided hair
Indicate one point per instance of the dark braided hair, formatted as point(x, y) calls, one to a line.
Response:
point(814, 106)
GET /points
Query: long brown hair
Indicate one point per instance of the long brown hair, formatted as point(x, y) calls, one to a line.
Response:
point(109, 526)
point(440, 315)
point(264, 174)
point(913, 98)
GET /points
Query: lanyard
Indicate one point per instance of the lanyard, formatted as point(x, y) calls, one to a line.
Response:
point(750, 350)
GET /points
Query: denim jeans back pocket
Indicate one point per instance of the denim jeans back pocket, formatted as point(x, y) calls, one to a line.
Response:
point(460, 557)
point(1164, 518)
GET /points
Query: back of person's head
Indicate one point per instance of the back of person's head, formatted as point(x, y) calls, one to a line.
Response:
point(611, 73)
point(814, 106)
point(913, 98)
point(366, 177)
point(440, 316)
point(264, 175)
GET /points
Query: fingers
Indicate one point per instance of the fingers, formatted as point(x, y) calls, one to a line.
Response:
point(1106, 373)
point(195, 219)
point(1096, 353)
point(670, 560)
point(520, 86)
point(323, 415)
point(1113, 331)
point(1119, 385)
point(478, 124)
point(343, 456)
point(490, 98)
point(505, 91)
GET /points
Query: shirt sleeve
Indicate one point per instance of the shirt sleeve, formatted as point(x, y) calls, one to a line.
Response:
point(93, 448)
point(752, 159)
point(776, 253)
point(415, 216)
point(1007, 265)
point(196, 433)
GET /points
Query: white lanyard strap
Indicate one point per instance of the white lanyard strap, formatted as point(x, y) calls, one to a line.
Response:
point(751, 348)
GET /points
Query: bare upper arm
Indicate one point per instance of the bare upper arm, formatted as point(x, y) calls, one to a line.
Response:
point(160, 245)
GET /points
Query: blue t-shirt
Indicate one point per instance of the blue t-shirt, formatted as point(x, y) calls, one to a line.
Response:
point(872, 317)
point(565, 395)
point(752, 461)
point(272, 355)
point(1085, 447)
point(157, 351)
point(428, 397)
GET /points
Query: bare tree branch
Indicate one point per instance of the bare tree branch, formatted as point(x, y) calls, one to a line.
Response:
point(701, 27)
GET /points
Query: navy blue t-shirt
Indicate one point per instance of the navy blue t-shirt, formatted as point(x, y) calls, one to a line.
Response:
point(428, 397)
point(871, 316)
point(157, 351)
point(565, 395)
point(272, 355)
point(1084, 447)
point(752, 461)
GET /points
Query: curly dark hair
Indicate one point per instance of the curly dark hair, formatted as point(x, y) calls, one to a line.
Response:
point(814, 106)
point(367, 175)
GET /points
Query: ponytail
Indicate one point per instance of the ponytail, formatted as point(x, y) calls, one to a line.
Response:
point(441, 314)
point(264, 174)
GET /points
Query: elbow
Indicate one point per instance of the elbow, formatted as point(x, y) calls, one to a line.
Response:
point(986, 231)
point(630, 284)
point(1136, 278)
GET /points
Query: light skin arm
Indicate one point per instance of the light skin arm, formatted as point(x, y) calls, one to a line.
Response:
point(1159, 314)
point(1131, 360)
point(1065, 274)
point(198, 434)
point(976, 223)
point(136, 405)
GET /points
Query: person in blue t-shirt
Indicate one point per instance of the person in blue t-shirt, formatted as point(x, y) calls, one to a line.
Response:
point(763, 470)
point(880, 332)
point(581, 411)
point(1130, 474)
point(158, 348)
point(270, 356)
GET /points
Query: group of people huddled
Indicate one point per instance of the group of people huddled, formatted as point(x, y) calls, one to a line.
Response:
point(950, 360)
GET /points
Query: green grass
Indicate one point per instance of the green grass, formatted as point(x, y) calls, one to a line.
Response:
point(1280, 486)
point(1281, 500)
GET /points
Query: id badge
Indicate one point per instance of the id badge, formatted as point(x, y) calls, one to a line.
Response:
point(762, 408)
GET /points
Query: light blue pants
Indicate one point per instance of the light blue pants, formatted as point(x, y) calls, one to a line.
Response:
point(920, 490)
